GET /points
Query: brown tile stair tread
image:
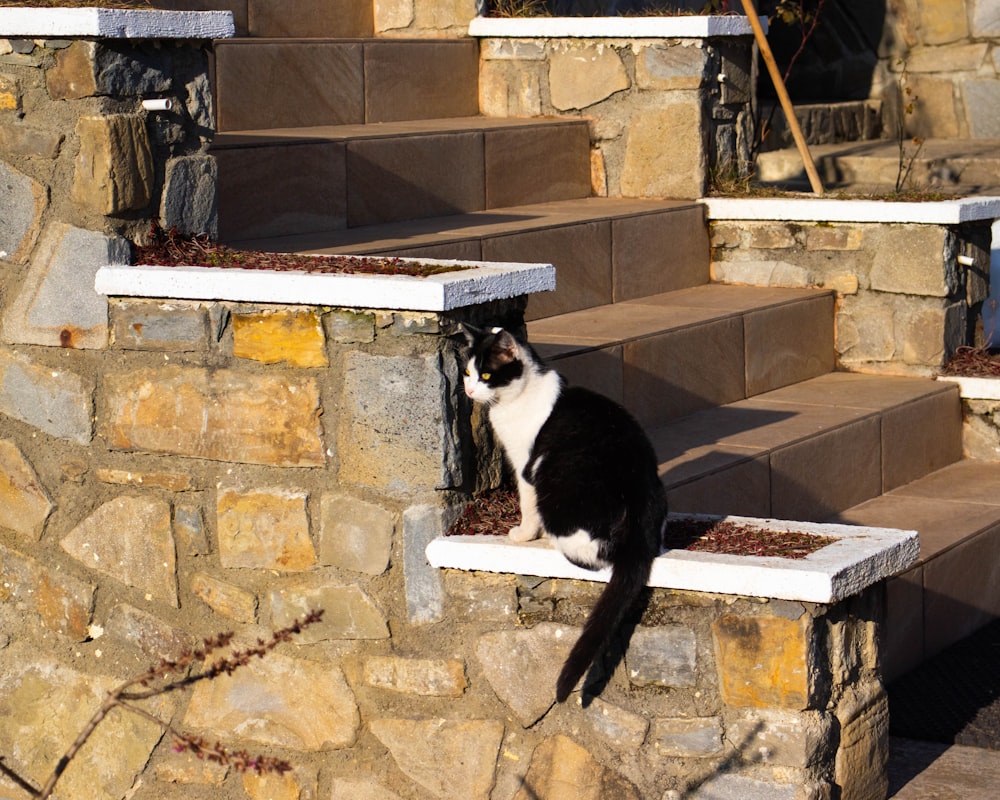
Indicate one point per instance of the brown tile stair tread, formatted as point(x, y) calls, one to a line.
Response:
point(269, 137)
point(470, 226)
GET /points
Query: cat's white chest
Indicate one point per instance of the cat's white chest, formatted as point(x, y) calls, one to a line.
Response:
point(517, 420)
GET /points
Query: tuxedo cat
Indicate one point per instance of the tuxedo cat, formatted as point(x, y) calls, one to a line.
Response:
point(586, 477)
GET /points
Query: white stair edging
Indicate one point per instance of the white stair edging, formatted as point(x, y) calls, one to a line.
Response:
point(859, 558)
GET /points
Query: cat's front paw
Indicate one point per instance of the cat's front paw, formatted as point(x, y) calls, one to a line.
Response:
point(524, 533)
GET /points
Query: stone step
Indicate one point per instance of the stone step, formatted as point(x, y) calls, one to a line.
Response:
point(263, 83)
point(668, 355)
point(813, 450)
point(954, 588)
point(332, 177)
point(945, 165)
point(604, 249)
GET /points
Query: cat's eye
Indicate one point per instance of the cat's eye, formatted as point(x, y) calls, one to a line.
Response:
point(466, 372)
point(485, 375)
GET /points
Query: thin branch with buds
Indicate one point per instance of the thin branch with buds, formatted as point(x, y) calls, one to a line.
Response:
point(159, 680)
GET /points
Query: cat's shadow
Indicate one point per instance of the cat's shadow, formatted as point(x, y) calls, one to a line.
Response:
point(600, 673)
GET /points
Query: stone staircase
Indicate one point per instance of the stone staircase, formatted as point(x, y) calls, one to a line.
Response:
point(361, 145)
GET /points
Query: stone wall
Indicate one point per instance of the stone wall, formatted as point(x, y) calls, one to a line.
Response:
point(905, 299)
point(77, 148)
point(224, 466)
point(662, 119)
point(947, 53)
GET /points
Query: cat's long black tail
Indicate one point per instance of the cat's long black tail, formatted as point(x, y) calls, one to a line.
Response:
point(628, 579)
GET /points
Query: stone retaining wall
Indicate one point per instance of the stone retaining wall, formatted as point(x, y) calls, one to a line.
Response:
point(904, 299)
point(223, 466)
point(665, 113)
point(950, 53)
point(78, 149)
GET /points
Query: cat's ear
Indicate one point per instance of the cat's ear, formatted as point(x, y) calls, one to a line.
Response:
point(505, 347)
point(471, 333)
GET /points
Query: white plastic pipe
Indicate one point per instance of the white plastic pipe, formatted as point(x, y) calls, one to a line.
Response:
point(158, 104)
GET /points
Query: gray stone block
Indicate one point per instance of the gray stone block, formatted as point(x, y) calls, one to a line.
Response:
point(664, 656)
point(57, 403)
point(57, 304)
point(982, 107)
point(22, 201)
point(189, 201)
point(424, 593)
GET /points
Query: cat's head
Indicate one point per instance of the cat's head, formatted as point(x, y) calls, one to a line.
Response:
point(495, 362)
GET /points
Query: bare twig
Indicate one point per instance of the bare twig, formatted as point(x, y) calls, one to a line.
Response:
point(157, 681)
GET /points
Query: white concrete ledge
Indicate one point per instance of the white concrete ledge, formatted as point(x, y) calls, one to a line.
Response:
point(115, 23)
point(655, 27)
point(806, 209)
point(476, 282)
point(975, 388)
point(859, 558)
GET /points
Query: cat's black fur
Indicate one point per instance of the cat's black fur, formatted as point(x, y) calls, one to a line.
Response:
point(584, 464)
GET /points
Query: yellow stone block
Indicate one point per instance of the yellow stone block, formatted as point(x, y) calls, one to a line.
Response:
point(293, 336)
point(763, 661)
point(264, 529)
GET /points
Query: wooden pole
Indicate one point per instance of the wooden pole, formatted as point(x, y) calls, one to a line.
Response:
point(783, 98)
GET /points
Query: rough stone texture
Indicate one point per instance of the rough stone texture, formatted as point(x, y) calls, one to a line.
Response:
point(45, 705)
point(354, 534)
point(687, 738)
point(913, 264)
point(225, 598)
point(448, 759)
point(349, 613)
point(57, 305)
point(293, 336)
point(784, 738)
point(393, 434)
point(223, 415)
point(563, 770)
point(863, 756)
point(664, 656)
point(507, 656)
point(419, 676)
point(665, 153)
point(262, 702)
point(22, 201)
point(114, 169)
point(189, 201)
point(263, 528)
point(981, 107)
point(165, 327)
point(62, 602)
point(129, 539)
point(615, 725)
point(172, 481)
point(73, 77)
point(57, 403)
point(24, 503)
point(763, 661)
point(670, 67)
point(424, 593)
point(740, 787)
point(155, 638)
point(584, 76)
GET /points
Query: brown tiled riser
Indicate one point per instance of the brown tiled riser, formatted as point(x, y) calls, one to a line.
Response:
point(677, 359)
point(285, 83)
point(817, 460)
point(333, 177)
point(956, 586)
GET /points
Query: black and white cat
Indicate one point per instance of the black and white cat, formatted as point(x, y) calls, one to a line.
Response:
point(586, 477)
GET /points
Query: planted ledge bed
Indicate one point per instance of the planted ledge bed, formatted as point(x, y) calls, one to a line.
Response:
point(857, 558)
